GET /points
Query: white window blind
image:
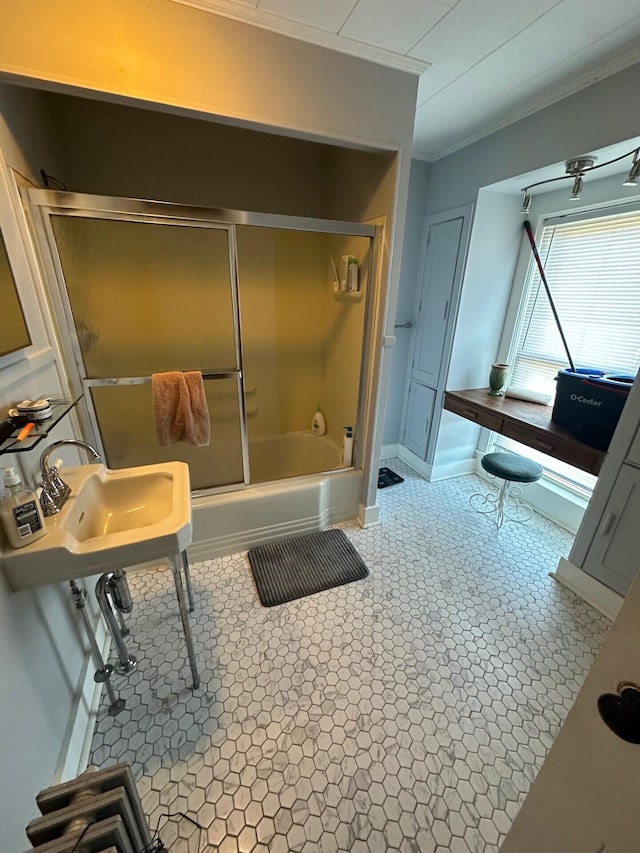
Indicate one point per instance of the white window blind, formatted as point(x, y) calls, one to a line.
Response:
point(592, 266)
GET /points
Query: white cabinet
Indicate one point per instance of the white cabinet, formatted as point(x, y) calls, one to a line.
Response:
point(614, 555)
point(607, 545)
point(418, 419)
point(633, 456)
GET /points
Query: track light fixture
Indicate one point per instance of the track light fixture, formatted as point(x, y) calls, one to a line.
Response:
point(577, 168)
point(634, 172)
point(577, 188)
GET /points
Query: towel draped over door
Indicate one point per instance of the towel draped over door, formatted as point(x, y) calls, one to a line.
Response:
point(180, 408)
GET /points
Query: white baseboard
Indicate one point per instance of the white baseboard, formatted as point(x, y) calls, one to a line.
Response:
point(419, 465)
point(436, 472)
point(453, 469)
point(76, 746)
point(368, 515)
point(605, 600)
point(548, 499)
point(389, 451)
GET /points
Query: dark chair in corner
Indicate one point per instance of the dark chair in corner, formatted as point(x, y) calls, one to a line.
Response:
point(505, 503)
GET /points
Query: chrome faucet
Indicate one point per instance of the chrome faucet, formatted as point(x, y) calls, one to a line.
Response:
point(54, 490)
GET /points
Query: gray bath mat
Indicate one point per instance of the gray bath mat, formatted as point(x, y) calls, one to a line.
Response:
point(291, 569)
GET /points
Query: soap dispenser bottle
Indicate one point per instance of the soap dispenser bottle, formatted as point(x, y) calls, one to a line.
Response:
point(347, 447)
point(20, 512)
point(318, 423)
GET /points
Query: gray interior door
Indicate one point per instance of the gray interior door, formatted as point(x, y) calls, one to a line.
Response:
point(418, 421)
point(443, 251)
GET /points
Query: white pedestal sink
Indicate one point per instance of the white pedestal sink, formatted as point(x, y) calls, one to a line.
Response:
point(113, 519)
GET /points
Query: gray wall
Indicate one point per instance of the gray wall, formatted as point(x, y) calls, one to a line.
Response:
point(600, 115)
point(495, 241)
point(593, 118)
point(406, 310)
point(41, 653)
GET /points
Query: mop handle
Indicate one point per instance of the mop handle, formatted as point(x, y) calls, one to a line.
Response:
point(534, 249)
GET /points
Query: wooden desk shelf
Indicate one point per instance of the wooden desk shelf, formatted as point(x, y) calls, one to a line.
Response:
point(528, 423)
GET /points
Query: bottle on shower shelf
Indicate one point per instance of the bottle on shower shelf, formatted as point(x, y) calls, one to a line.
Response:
point(318, 423)
point(347, 447)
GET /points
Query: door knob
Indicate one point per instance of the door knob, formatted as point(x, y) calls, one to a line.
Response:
point(621, 711)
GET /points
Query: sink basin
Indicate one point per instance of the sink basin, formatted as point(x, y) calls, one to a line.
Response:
point(107, 505)
point(113, 519)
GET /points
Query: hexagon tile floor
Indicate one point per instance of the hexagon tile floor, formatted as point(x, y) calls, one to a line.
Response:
point(408, 711)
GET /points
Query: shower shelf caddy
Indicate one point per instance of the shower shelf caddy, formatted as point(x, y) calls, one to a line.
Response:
point(59, 408)
point(348, 295)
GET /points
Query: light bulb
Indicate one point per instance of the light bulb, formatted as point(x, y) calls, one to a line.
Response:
point(634, 172)
point(577, 188)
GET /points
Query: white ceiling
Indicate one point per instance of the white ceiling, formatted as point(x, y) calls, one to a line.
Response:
point(483, 63)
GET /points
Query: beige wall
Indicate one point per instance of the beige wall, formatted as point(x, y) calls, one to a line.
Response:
point(134, 152)
point(138, 153)
point(168, 54)
point(363, 184)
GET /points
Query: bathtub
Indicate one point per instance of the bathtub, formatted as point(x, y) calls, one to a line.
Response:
point(271, 509)
point(276, 457)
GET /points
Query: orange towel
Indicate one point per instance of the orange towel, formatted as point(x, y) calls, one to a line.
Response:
point(180, 408)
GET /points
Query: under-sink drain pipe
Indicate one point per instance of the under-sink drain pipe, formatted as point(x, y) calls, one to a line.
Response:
point(103, 671)
point(113, 586)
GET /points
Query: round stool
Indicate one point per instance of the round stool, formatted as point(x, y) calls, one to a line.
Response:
point(510, 468)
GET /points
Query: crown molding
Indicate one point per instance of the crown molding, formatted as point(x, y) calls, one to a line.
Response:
point(534, 105)
point(283, 26)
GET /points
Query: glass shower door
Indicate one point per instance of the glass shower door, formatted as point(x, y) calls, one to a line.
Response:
point(147, 297)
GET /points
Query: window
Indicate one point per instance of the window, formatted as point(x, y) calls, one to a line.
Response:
point(592, 265)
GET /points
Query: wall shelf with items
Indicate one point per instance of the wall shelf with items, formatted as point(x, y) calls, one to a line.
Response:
point(348, 295)
point(59, 408)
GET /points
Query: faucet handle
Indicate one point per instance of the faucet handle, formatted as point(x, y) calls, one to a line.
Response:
point(48, 502)
point(57, 484)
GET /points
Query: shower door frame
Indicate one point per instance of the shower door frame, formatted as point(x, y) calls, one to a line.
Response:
point(42, 204)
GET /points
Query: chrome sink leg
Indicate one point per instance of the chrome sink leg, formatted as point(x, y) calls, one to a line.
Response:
point(184, 616)
point(105, 585)
point(187, 581)
point(103, 671)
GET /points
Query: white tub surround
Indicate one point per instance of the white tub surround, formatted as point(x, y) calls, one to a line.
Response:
point(294, 454)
